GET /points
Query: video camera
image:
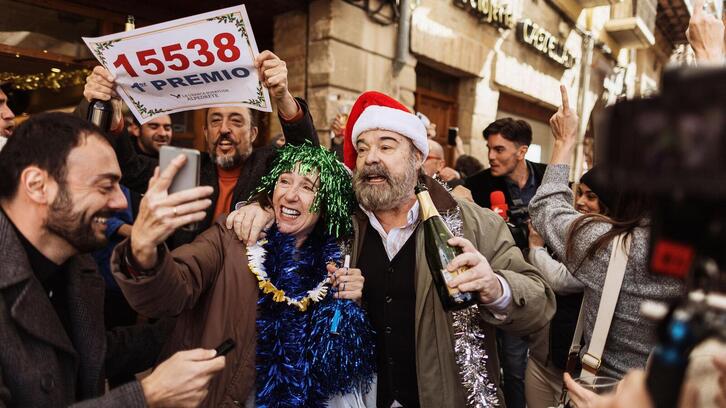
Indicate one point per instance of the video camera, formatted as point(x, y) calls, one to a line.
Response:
point(517, 223)
point(671, 148)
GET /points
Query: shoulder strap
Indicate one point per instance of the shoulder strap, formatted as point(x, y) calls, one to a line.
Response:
point(609, 299)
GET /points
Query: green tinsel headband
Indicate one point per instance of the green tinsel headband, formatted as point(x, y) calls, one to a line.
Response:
point(335, 194)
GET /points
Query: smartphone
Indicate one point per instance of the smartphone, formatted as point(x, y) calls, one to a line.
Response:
point(453, 134)
point(225, 347)
point(188, 176)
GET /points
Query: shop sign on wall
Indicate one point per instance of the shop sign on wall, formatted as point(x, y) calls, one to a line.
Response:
point(528, 32)
point(489, 11)
point(545, 42)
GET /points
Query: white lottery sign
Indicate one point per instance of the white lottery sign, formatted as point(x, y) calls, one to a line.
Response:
point(191, 63)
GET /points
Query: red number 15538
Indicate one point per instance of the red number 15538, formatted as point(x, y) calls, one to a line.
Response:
point(175, 60)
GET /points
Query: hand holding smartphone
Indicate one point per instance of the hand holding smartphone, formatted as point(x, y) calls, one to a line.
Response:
point(188, 176)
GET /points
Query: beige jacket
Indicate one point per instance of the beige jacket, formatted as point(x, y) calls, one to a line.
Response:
point(533, 302)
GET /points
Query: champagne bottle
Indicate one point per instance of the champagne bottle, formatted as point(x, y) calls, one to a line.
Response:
point(439, 253)
point(100, 112)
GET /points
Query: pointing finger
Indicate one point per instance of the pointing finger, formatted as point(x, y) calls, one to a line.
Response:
point(698, 7)
point(565, 99)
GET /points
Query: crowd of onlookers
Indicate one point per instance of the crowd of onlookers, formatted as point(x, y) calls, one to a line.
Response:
point(115, 291)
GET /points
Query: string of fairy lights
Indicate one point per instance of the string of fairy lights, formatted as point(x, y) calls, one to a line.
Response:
point(54, 80)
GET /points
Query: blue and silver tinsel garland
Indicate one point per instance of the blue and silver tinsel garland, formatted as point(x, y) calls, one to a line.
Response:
point(300, 363)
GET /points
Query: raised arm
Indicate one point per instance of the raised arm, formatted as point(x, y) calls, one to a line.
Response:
point(705, 33)
point(293, 113)
point(551, 209)
point(155, 282)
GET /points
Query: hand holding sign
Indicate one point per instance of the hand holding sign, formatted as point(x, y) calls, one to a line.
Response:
point(273, 74)
point(195, 62)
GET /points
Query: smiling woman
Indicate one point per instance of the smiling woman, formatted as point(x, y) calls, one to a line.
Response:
point(282, 300)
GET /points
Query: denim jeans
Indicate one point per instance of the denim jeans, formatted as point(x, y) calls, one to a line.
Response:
point(513, 353)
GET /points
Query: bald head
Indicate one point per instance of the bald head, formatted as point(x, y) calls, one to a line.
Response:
point(435, 160)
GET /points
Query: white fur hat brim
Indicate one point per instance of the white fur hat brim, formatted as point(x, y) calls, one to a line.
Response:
point(394, 120)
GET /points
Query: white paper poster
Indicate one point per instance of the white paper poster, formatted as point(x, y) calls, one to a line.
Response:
point(194, 62)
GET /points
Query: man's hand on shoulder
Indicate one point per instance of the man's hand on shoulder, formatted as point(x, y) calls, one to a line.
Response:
point(250, 222)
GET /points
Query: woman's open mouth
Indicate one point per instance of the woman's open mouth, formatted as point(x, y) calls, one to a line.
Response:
point(289, 213)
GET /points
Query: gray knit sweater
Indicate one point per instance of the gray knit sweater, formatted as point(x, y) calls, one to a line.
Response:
point(631, 337)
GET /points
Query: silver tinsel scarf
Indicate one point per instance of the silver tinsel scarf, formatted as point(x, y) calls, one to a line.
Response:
point(469, 345)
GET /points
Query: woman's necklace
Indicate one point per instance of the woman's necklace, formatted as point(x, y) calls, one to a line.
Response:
point(256, 256)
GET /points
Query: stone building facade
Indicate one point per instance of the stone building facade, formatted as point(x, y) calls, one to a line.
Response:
point(468, 62)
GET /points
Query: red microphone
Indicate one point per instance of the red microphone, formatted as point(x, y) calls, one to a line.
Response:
point(499, 204)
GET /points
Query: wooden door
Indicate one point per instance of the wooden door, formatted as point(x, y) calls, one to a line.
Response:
point(436, 97)
point(443, 111)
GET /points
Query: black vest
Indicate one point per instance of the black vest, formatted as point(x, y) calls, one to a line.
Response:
point(389, 294)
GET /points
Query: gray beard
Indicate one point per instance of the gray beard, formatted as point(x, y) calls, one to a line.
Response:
point(385, 196)
point(226, 162)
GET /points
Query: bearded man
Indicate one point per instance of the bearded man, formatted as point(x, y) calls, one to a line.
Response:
point(58, 186)
point(232, 166)
point(423, 352)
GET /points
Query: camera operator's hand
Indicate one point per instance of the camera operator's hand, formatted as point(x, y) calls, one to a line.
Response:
point(564, 129)
point(182, 380)
point(100, 84)
point(161, 213)
point(535, 240)
point(250, 222)
point(705, 33)
point(479, 277)
point(273, 74)
point(631, 392)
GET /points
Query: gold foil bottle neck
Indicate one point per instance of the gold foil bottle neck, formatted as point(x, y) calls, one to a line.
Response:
point(428, 210)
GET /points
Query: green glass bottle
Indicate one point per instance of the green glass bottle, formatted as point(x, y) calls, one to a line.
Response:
point(439, 253)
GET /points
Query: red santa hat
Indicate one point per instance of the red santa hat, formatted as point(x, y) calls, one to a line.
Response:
point(374, 110)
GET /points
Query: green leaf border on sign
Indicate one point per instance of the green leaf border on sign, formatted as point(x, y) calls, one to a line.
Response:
point(235, 19)
point(143, 110)
point(260, 100)
point(102, 46)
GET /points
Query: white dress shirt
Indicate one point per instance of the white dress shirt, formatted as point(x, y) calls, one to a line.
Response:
point(394, 240)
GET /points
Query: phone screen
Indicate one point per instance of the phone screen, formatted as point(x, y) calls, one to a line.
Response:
point(453, 134)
